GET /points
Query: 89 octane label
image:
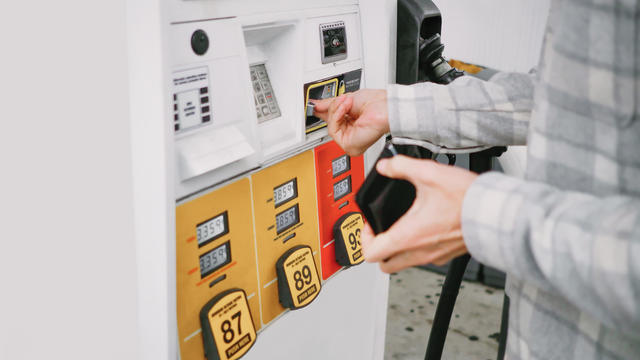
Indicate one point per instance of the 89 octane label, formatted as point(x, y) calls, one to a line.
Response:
point(231, 325)
point(302, 276)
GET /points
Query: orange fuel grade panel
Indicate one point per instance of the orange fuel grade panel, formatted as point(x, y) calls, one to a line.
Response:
point(284, 198)
point(339, 177)
point(215, 252)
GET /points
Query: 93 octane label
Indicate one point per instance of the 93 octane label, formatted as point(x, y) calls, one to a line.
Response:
point(351, 229)
point(302, 277)
point(232, 326)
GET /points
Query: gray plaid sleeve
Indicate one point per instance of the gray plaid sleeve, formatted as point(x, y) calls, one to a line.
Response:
point(467, 112)
point(584, 247)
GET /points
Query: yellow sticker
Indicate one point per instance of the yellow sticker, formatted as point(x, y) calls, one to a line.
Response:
point(351, 229)
point(231, 325)
point(302, 276)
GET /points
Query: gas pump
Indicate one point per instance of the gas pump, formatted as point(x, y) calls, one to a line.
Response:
point(265, 215)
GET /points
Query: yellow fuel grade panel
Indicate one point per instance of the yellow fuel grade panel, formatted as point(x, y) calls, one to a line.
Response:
point(215, 251)
point(284, 198)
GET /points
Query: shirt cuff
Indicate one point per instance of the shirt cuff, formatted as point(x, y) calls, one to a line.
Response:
point(490, 218)
point(410, 109)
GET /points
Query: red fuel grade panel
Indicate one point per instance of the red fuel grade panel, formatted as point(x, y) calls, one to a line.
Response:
point(338, 177)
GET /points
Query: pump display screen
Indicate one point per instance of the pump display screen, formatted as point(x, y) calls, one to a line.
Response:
point(340, 165)
point(334, 41)
point(285, 192)
point(287, 218)
point(215, 259)
point(342, 188)
point(212, 229)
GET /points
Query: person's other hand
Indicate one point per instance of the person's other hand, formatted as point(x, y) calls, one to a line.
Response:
point(430, 231)
point(355, 120)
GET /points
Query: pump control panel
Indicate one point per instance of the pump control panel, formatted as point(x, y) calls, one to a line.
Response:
point(258, 192)
point(191, 106)
point(339, 176)
point(215, 252)
point(284, 199)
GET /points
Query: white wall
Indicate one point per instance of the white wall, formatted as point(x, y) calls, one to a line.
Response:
point(67, 253)
point(502, 34)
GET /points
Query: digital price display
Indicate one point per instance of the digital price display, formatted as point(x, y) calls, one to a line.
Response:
point(212, 229)
point(341, 165)
point(342, 188)
point(227, 326)
point(215, 259)
point(287, 218)
point(285, 192)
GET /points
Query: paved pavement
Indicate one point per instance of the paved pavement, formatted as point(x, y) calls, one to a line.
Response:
point(413, 295)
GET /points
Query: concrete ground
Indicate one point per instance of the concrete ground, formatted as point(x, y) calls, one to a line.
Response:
point(474, 328)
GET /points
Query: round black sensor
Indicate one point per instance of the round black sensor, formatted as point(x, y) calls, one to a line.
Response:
point(199, 42)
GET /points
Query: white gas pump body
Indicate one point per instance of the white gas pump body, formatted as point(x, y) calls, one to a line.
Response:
point(348, 318)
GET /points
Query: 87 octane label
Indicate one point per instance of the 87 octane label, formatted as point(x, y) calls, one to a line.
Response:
point(231, 325)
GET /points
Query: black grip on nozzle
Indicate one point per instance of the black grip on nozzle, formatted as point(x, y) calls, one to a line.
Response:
point(433, 64)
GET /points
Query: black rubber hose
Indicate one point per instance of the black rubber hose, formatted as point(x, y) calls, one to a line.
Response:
point(478, 162)
point(444, 310)
point(504, 327)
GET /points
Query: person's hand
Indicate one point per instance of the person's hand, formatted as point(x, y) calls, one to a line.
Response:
point(355, 120)
point(430, 231)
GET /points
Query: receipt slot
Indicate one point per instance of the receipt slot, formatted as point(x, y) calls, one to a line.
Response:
point(339, 176)
point(215, 253)
point(284, 199)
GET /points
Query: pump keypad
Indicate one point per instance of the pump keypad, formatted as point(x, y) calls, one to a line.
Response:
point(264, 98)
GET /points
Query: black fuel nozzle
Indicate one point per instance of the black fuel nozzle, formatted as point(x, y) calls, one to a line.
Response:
point(433, 66)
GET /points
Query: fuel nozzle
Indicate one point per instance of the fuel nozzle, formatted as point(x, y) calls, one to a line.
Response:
point(433, 65)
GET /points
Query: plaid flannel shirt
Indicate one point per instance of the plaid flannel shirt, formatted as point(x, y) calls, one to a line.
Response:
point(568, 235)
